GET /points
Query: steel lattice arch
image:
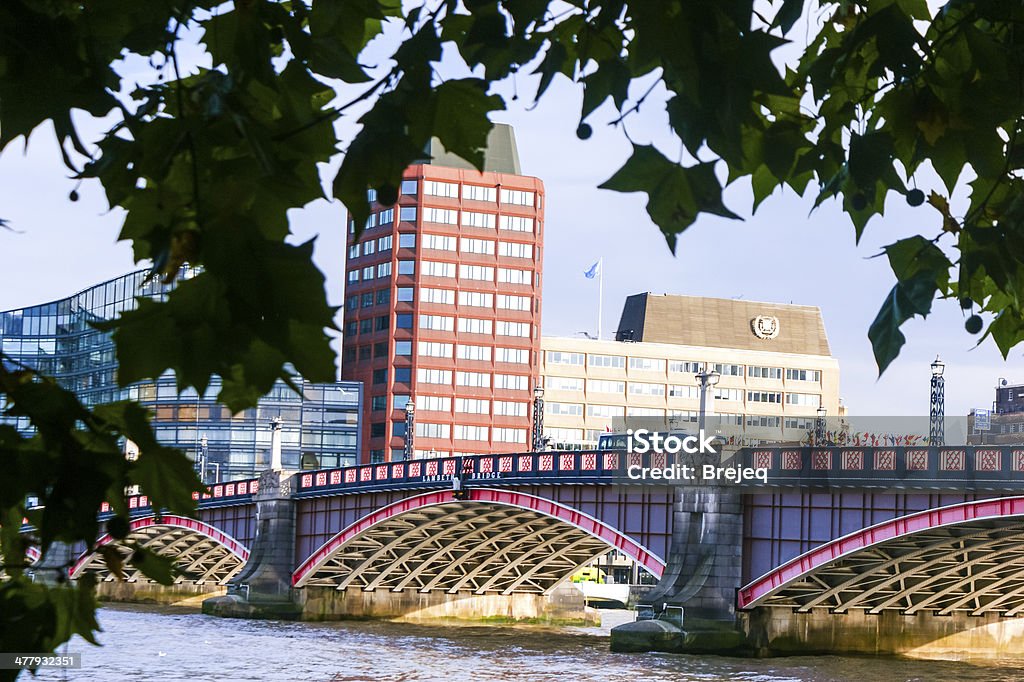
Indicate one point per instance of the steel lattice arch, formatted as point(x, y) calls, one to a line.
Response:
point(497, 542)
point(962, 558)
point(203, 554)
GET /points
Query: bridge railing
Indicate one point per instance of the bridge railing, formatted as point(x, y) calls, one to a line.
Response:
point(219, 495)
point(577, 466)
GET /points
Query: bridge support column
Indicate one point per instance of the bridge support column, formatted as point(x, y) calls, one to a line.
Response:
point(53, 567)
point(263, 589)
point(695, 599)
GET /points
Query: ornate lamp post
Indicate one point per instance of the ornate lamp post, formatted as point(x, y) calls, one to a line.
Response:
point(937, 416)
point(538, 418)
point(706, 380)
point(819, 426)
point(410, 428)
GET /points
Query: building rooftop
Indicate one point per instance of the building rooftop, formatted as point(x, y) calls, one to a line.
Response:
point(723, 323)
point(500, 156)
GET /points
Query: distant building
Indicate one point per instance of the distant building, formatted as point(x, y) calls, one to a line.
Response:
point(443, 306)
point(775, 363)
point(57, 339)
point(1006, 420)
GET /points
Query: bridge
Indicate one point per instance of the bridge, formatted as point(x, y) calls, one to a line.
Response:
point(906, 548)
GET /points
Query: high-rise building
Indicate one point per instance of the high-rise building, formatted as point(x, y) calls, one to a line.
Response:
point(443, 306)
point(57, 339)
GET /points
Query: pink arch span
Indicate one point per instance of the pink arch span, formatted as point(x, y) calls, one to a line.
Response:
point(887, 530)
point(233, 545)
point(584, 522)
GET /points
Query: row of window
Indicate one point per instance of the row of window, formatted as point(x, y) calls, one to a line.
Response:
point(450, 190)
point(555, 357)
point(485, 247)
point(446, 350)
point(477, 299)
point(440, 269)
point(469, 432)
point(406, 214)
point(676, 391)
point(442, 323)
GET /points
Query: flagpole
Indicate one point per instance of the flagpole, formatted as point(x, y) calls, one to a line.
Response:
point(600, 294)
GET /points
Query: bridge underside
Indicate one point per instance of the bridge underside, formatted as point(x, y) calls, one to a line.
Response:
point(481, 547)
point(201, 559)
point(975, 567)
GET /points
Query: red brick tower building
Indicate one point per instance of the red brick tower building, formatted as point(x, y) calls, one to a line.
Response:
point(443, 307)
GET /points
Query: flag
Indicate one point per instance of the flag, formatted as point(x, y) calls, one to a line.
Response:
point(594, 270)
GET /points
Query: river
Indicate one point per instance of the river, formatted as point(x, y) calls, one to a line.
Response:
point(170, 644)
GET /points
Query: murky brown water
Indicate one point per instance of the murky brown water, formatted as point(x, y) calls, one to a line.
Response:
point(168, 644)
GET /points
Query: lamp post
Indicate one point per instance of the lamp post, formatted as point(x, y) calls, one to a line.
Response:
point(819, 426)
point(410, 428)
point(937, 416)
point(706, 380)
point(538, 418)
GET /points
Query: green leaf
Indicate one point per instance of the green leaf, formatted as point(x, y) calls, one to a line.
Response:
point(909, 298)
point(154, 566)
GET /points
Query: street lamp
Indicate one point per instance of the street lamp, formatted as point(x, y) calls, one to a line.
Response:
point(538, 418)
point(819, 426)
point(706, 380)
point(937, 416)
point(410, 427)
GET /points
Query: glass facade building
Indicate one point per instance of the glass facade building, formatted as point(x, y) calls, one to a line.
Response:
point(57, 339)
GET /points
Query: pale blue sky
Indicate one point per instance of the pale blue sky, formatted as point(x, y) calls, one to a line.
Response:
point(783, 254)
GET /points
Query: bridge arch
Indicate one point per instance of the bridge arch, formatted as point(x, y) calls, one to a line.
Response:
point(203, 553)
point(966, 557)
point(494, 542)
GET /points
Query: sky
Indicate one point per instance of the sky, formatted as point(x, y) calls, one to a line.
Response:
point(785, 253)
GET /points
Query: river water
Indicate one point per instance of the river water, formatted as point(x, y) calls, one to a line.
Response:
point(169, 644)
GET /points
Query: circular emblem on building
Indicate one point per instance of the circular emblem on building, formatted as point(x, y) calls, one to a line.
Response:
point(765, 326)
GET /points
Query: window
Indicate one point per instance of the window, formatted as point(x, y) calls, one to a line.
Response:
point(476, 298)
point(387, 217)
point(510, 435)
point(764, 397)
point(568, 436)
point(384, 269)
point(403, 347)
point(482, 353)
point(384, 243)
point(604, 386)
point(563, 383)
point(403, 321)
point(472, 325)
point(685, 367)
point(478, 272)
point(515, 223)
point(507, 302)
point(507, 408)
point(435, 350)
point(380, 323)
point(729, 370)
point(378, 403)
point(403, 375)
point(803, 375)
point(731, 394)
point(521, 329)
point(510, 276)
point(366, 300)
point(380, 376)
point(351, 328)
point(371, 221)
point(647, 364)
point(366, 326)
point(369, 247)
point(645, 412)
point(409, 188)
point(399, 402)
point(404, 294)
point(516, 355)
point(353, 251)
point(433, 268)
point(352, 302)
point(515, 250)
point(407, 240)
point(463, 432)
point(438, 323)
point(763, 421)
point(558, 357)
point(438, 242)
point(678, 391)
point(371, 195)
point(441, 189)
point(482, 246)
point(517, 197)
point(367, 272)
point(443, 216)
point(478, 193)
point(434, 376)
point(802, 423)
point(637, 388)
point(442, 296)
point(434, 403)
point(407, 267)
point(383, 296)
point(472, 405)
point(380, 349)
point(617, 361)
point(803, 399)
point(511, 382)
point(364, 353)
point(564, 409)
point(377, 430)
point(606, 411)
point(407, 214)
point(474, 379)
point(428, 430)
point(473, 219)
point(398, 429)
point(353, 275)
